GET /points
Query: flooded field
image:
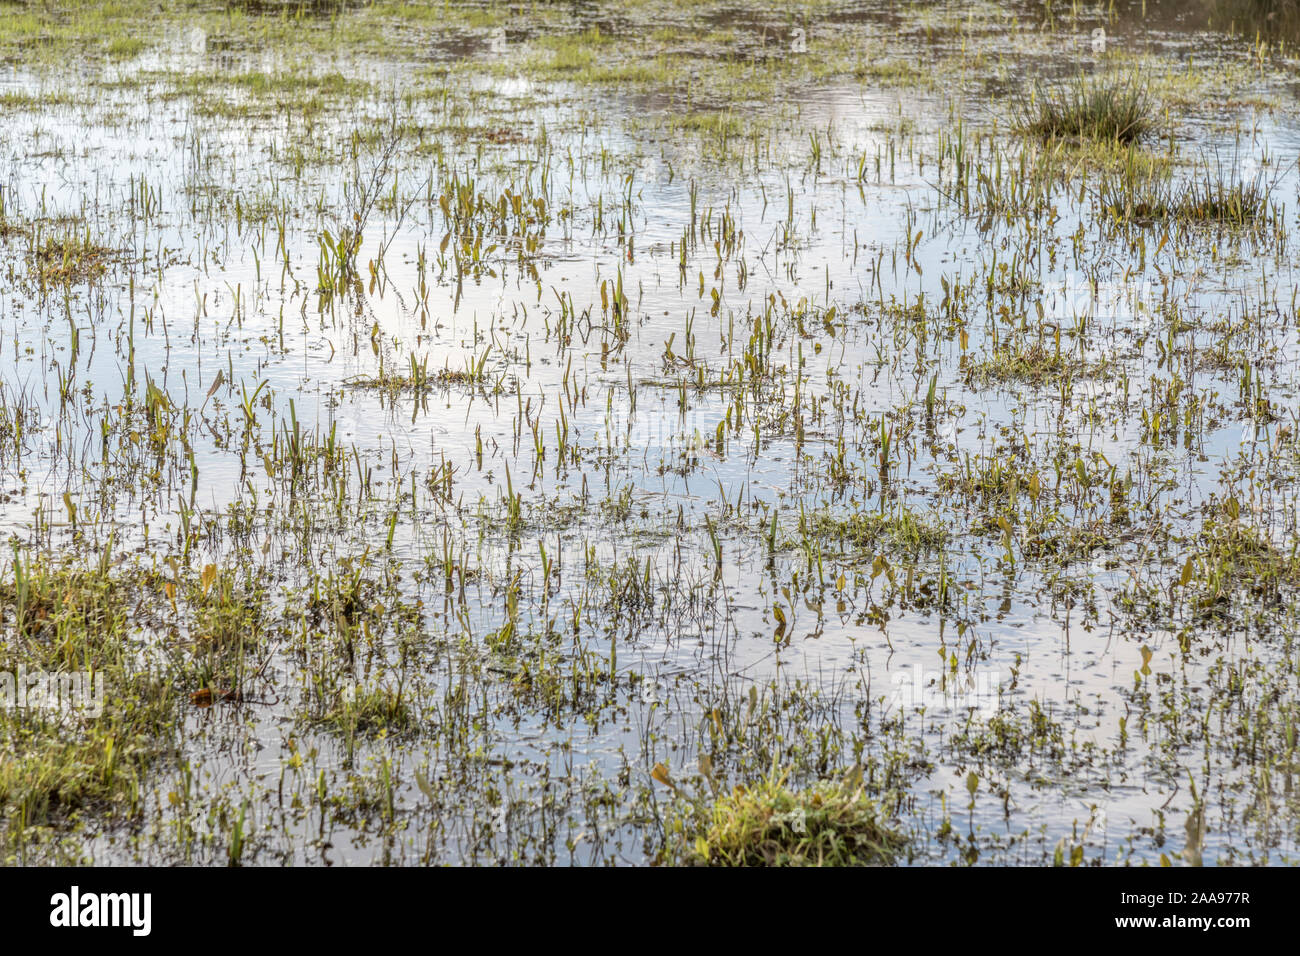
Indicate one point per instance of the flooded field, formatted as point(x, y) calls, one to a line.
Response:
point(649, 432)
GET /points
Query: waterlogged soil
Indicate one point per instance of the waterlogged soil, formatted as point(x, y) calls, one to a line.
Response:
point(433, 419)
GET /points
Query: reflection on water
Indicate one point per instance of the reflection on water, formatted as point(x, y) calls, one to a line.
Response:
point(767, 386)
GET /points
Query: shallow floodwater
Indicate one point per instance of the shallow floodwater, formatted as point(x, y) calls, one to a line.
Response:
point(699, 412)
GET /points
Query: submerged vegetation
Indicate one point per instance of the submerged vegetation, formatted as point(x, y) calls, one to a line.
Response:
point(815, 434)
point(1210, 195)
point(61, 764)
point(71, 259)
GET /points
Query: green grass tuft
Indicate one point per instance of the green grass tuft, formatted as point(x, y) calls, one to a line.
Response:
point(1110, 109)
point(831, 824)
